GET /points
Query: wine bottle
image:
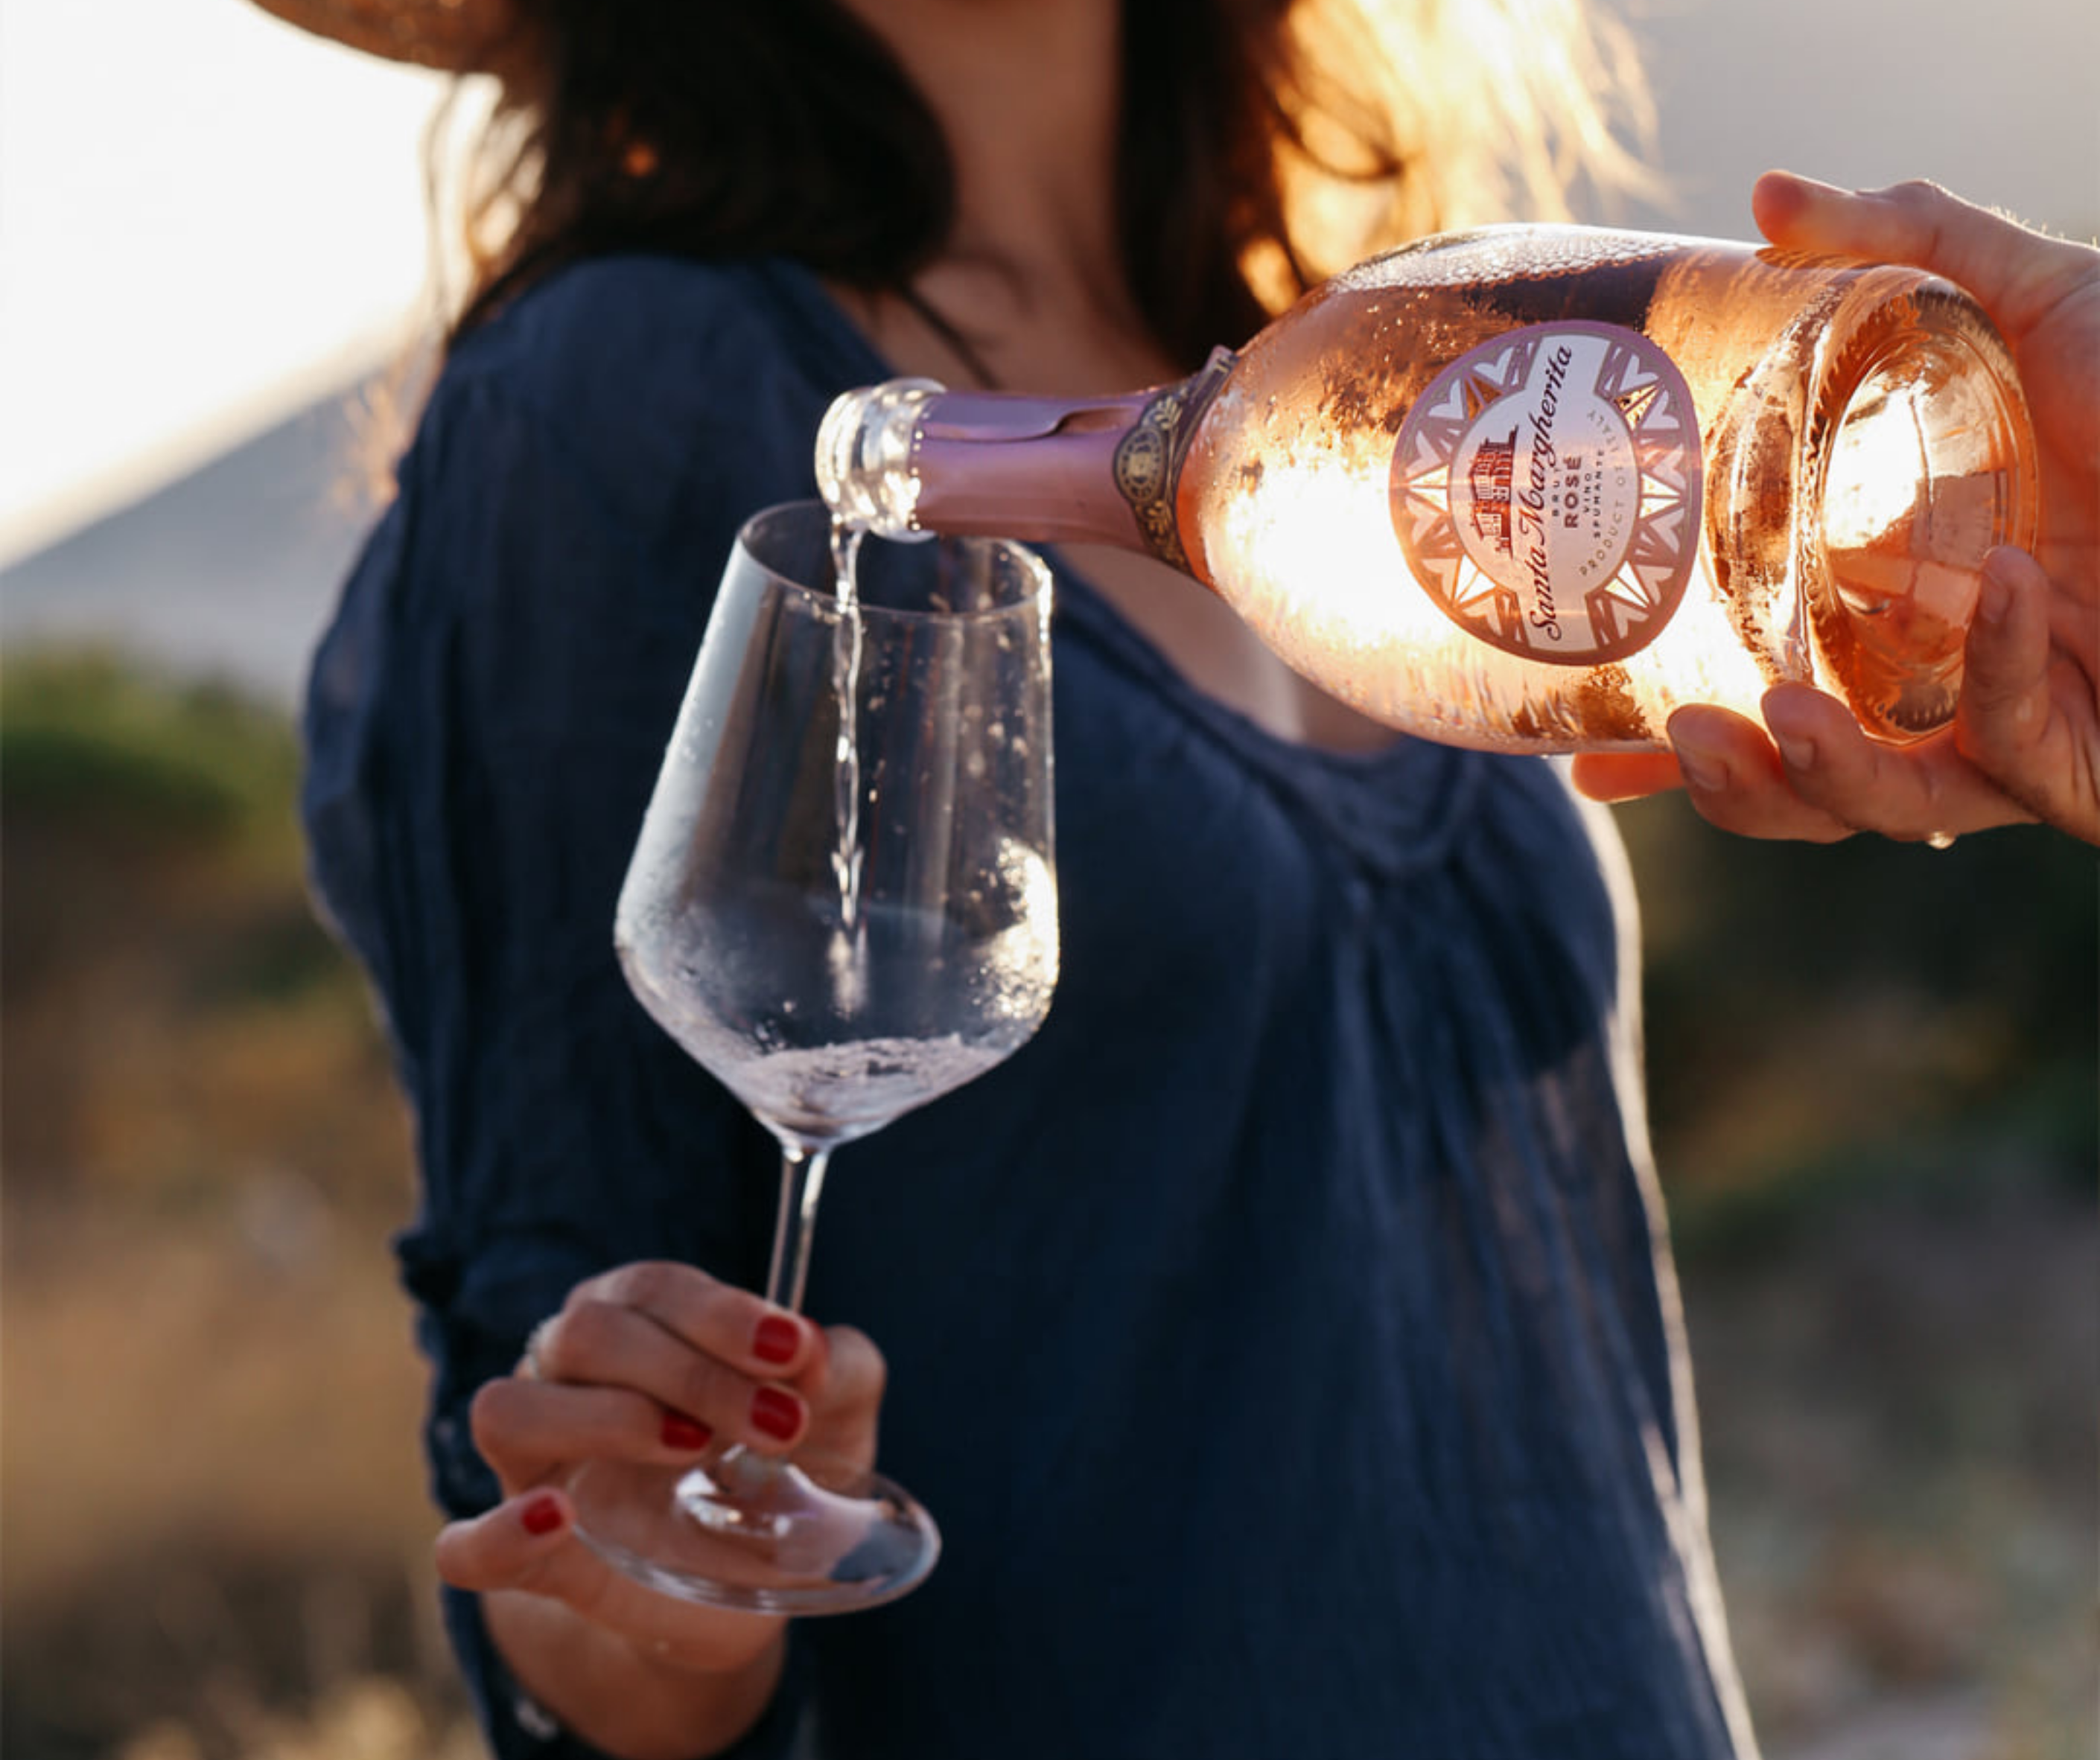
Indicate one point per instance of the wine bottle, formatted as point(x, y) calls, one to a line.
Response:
point(1533, 489)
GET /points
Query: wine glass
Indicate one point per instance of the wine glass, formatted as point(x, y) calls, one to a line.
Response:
point(843, 903)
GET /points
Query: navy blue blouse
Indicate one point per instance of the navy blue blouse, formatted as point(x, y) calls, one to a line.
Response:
point(1285, 1340)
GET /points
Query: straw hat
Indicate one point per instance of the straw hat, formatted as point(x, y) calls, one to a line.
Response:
point(458, 36)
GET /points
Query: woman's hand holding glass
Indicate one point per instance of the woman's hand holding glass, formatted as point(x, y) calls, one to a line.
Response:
point(652, 1364)
point(2025, 744)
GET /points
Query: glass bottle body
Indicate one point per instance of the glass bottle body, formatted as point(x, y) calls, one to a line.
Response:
point(1535, 489)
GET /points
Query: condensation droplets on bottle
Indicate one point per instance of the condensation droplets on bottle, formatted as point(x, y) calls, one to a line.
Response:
point(1533, 489)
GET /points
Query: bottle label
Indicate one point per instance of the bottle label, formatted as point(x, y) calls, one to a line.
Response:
point(1545, 490)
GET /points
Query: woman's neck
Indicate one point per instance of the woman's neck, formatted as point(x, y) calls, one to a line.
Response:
point(1028, 95)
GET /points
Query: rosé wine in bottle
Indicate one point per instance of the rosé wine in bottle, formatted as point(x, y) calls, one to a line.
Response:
point(1533, 489)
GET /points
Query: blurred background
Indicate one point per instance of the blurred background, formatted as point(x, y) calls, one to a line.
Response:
point(1873, 1068)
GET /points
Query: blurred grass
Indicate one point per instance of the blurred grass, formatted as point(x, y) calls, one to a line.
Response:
point(1863, 1013)
point(215, 1533)
point(1873, 1081)
point(87, 738)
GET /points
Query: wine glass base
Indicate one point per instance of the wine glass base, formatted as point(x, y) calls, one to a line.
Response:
point(742, 1530)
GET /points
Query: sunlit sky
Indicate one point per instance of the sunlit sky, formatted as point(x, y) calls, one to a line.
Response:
point(204, 218)
point(207, 218)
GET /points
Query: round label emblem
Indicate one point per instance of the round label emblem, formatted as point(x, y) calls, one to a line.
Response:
point(1140, 464)
point(1545, 490)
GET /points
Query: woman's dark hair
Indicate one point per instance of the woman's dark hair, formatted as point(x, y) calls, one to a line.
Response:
point(785, 126)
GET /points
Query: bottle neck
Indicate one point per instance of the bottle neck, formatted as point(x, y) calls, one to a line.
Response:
point(1051, 470)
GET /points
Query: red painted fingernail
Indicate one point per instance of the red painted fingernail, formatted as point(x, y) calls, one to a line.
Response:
point(777, 1340)
point(778, 1414)
point(680, 1431)
point(542, 1516)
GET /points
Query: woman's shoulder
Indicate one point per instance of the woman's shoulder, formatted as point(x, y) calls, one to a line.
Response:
point(634, 333)
point(662, 391)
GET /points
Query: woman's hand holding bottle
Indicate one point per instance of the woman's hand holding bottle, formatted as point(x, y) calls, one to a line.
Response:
point(2026, 741)
point(651, 1362)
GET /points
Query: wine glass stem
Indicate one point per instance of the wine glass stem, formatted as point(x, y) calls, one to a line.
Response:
point(801, 1184)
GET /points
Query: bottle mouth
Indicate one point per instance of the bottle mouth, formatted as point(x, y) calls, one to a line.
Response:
point(863, 458)
point(1928, 467)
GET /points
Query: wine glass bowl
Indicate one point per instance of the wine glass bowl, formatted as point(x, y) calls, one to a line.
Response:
point(843, 904)
point(837, 948)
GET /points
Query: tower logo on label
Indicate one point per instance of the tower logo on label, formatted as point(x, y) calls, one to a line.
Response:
point(1546, 490)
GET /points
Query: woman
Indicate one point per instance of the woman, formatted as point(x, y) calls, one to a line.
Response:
point(1285, 1338)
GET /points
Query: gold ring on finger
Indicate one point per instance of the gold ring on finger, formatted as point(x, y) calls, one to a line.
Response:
point(531, 1366)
